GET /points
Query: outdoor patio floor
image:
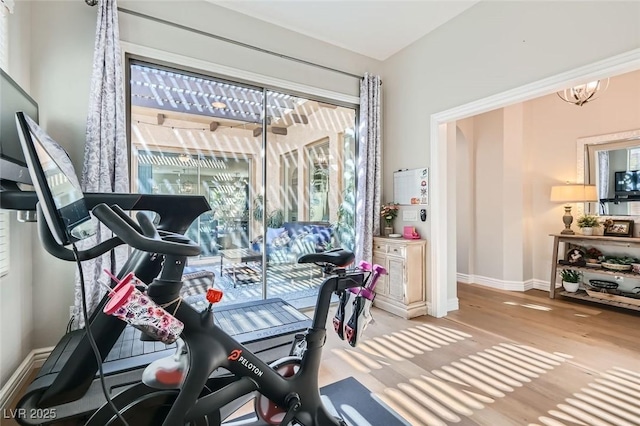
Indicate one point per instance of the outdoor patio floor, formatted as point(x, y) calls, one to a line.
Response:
point(296, 284)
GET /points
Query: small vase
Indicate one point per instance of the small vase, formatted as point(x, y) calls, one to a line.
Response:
point(587, 231)
point(388, 230)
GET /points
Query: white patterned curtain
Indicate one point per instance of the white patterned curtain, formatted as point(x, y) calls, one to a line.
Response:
point(369, 167)
point(105, 166)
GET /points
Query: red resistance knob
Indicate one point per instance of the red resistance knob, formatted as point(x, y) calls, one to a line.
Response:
point(214, 295)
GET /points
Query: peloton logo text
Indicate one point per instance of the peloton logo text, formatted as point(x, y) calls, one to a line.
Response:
point(236, 355)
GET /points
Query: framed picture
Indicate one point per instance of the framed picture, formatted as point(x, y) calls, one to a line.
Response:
point(619, 228)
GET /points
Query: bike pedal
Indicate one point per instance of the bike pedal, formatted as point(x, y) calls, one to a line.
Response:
point(337, 326)
point(351, 335)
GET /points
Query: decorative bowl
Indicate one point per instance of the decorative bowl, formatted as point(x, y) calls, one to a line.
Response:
point(616, 266)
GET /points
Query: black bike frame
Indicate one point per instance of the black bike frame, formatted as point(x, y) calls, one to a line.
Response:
point(211, 348)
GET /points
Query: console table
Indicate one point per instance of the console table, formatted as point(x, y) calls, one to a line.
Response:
point(593, 240)
point(402, 292)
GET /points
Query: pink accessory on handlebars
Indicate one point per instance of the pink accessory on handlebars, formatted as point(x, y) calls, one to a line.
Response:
point(132, 306)
point(364, 265)
point(367, 291)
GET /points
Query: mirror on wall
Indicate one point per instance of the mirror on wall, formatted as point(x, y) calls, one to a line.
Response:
point(612, 163)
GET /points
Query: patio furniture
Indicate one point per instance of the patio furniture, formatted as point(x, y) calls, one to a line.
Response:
point(293, 239)
point(237, 257)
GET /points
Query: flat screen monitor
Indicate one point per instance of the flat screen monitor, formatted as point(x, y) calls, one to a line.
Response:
point(627, 182)
point(56, 183)
point(13, 99)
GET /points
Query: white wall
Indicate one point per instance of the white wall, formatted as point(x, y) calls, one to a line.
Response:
point(513, 201)
point(62, 41)
point(538, 140)
point(16, 312)
point(492, 47)
point(489, 215)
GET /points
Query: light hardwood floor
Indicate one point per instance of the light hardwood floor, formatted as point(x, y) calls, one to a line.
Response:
point(504, 358)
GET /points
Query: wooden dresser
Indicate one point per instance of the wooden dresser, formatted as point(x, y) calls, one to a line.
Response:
point(403, 291)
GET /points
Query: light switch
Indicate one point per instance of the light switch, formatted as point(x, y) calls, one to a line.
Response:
point(409, 215)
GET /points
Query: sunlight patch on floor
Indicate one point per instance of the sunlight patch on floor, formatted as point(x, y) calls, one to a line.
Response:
point(529, 305)
point(470, 383)
point(404, 344)
point(612, 399)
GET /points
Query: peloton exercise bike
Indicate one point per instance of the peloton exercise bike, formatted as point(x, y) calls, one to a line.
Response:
point(67, 384)
point(285, 392)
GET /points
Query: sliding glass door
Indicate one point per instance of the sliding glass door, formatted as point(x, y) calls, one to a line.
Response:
point(275, 192)
point(309, 188)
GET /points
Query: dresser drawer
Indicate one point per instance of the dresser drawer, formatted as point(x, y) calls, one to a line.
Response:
point(395, 250)
point(380, 247)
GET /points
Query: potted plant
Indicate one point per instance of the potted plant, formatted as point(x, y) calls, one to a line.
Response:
point(587, 223)
point(570, 279)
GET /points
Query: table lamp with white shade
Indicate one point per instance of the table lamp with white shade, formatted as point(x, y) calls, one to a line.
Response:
point(572, 193)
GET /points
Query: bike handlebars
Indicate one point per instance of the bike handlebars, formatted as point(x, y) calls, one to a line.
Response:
point(55, 249)
point(112, 217)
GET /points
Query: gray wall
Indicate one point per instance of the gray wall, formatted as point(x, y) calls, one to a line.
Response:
point(491, 48)
point(465, 186)
point(16, 302)
point(53, 55)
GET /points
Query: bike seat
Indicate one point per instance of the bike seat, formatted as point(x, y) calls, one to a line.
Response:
point(337, 257)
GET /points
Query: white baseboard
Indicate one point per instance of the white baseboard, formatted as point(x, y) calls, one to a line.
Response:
point(452, 304)
point(34, 360)
point(503, 284)
point(464, 278)
point(541, 285)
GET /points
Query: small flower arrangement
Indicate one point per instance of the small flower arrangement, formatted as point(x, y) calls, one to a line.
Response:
point(389, 212)
point(607, 223)
point(588, 221)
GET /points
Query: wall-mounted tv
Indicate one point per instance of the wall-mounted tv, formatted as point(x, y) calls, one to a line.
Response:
point(13, 98)
point(627, 183)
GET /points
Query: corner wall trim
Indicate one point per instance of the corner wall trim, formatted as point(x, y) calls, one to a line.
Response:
point(541, 285)
point(452, 304)
point(503, 284)
point(33, 360)
point(464, 278)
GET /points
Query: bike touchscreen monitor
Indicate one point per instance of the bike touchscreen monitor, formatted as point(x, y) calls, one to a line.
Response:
point(56, 183)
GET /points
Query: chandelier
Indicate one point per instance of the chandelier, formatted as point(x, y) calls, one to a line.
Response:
point(583, 93)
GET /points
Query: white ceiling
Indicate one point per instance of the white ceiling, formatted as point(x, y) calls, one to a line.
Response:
point(374, 28)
